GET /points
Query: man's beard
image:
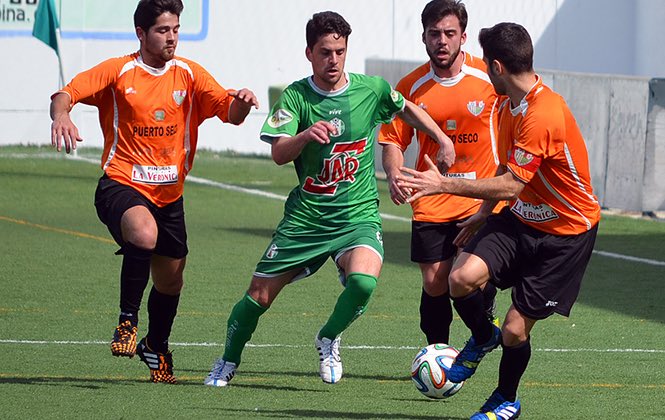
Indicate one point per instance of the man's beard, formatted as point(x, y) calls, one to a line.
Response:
point(443, 66)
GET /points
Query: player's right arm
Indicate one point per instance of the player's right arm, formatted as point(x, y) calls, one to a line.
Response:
point(393, 158)
point(287, 149)
point(83, 88)
point(63, 130)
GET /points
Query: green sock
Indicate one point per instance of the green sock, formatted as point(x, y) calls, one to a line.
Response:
point(350, 304)
point(240, 327)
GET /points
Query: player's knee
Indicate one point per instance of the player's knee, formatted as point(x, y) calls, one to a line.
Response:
point(460, 282)
point(362, 285)
point(144, 238)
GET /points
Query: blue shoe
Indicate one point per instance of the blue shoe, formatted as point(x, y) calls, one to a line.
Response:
point(468, 359)
point(497, 407)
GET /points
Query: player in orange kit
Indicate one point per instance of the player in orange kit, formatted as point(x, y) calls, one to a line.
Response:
point(454, 89)
point(541, 243)
point(151, 104)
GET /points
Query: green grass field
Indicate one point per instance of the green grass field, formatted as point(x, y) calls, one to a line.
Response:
point(58, 308)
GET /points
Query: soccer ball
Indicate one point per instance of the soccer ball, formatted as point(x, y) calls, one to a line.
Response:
point(427, 371)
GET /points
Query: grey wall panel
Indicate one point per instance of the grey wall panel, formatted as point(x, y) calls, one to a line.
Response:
point(654, 166)
point(393, 71)
point(626, 142)
point(588, 97)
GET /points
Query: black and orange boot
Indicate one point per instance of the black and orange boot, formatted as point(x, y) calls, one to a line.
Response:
point(124, 340)
point(160, 364)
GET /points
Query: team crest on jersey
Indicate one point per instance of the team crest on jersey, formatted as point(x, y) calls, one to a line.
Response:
point(160, 115)
point(279, 118)
point(475, 107)
point(394, 95)
point(522, 157)
point(339, 126)
point(179, 96)
point(272, 252)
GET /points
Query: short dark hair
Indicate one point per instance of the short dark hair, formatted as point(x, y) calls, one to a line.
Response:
point(438, 9)
point(510, 44)
point(324, 23)
point(147, 11)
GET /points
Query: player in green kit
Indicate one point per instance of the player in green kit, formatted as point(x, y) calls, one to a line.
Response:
point(326, 125)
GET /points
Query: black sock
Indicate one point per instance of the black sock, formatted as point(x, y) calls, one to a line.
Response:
point(134, 277)
point(489, 293)
point(161, 313)
point(514, 361)
point(470, 309)
point(436, 315)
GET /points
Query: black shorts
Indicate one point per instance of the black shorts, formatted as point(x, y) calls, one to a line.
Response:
point(113, 199)
point(433, 242)
point(544, 270)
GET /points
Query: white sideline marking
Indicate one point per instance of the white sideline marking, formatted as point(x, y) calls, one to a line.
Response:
point(266, 194)
point(299, 346)
point(629, 258)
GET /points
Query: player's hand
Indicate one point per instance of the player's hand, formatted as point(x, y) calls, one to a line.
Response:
point(320, 132)
point(397, 194)
point(469, 227)
point(424, 183)
point(64, 132)
point(445, 158)
point(245, 97)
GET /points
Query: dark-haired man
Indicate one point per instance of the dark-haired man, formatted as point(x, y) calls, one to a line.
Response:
point(541, 243)
point(454, 89)
point(150, 106)
point(325, 124)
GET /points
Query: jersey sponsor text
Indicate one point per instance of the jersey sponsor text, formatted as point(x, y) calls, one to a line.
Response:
point(155, 174)
point(537, 213)
point(155, 131)
point(340, 167)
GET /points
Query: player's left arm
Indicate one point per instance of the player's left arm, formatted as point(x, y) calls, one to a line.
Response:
point(243, 101)
point(430, 182)
point(420, 120)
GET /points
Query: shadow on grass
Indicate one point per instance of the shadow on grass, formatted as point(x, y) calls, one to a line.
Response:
point(312, 374)
point(84, 382)
point(327, 414)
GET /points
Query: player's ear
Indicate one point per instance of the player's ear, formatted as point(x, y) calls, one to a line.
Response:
point(463, 38)
point(497, 67)
point(308, 54)
point(140, 34)
point(422, 37)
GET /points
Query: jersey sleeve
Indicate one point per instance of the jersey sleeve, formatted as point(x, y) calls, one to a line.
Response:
point(284, 117)
point(390, 102)
point(530, 147)
point(212, 99)
point(397, 132)
point(88, 86)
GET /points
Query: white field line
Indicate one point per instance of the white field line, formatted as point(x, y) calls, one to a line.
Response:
point(299, 346)
point(260, 193)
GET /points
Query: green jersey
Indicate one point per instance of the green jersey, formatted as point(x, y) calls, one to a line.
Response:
point(337, 185)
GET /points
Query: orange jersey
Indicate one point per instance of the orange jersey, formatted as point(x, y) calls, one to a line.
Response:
point(542, 145)
point(150, 119)
point(465, 108)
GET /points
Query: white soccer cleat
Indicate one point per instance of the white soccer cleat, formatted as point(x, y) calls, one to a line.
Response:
point(222, 372)
point(330, 363)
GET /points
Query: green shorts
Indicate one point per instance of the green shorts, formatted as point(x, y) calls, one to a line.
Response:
point(294, 248)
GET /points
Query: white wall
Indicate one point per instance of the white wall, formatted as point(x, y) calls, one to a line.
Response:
point(259, 43)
